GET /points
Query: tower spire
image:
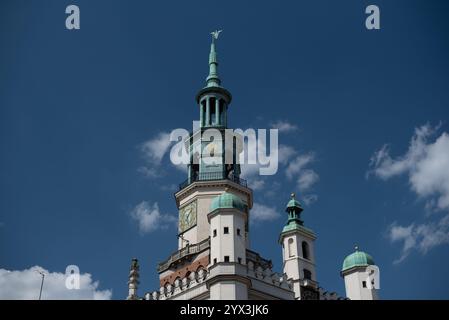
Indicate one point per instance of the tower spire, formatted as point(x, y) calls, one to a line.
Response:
point(213, 80)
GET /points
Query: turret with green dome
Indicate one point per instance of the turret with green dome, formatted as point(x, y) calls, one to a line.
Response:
point(361, 276)
point(357, 259)
point(228, 201)
point(298, 252)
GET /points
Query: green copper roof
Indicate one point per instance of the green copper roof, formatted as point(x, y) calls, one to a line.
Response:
point(296, 226)
point(227, 201)
point(294, 210)
point(294, 222)
point(213, 80)
point(293, 204)
point(357, 259)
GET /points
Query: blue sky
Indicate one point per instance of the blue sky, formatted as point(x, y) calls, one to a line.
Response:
point(76, 107)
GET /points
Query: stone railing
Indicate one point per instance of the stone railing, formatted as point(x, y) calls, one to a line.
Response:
point(186, 251)
point(179, 286)
point(268, 276)
point(194, 279)
point(257, 259)
point(208, 176)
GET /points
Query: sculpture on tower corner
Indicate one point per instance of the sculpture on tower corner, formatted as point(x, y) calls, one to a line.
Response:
point(133, 280)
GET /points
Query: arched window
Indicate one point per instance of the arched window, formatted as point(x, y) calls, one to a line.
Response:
point(305, 250)
point(307, 274)
point(200, 267)
point(291, 252)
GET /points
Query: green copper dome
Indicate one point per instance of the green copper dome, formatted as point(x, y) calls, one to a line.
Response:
point(227, 201)
point(293, 203)
point(357, 259)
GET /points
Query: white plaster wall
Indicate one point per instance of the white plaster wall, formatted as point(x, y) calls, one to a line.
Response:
point(228, 290)
point(294, 265)
point(204, 196)
point(192, 293)
point(229, 244)
point(354, 287)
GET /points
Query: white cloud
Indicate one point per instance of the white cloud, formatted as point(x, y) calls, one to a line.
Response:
point(294, 167)
point(261, 212)
point(273, 190)
point(307, 178)
point(421, 237)
point(426, 163)
point(309, 199)
point(170, 187)
point(251, 170)
point(256, 184)
point(284, 126)
point(25, 285)
point(149, 217)
point(153, 152)
point(285, 153)
point(149, 172)
point(155, 149)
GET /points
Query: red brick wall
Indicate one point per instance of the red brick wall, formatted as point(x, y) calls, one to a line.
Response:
point(181, 272)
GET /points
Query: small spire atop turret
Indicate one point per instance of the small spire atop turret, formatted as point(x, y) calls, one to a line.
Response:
point(356, 248)
point(133, 280)
point(294, 210)
point(213, 80)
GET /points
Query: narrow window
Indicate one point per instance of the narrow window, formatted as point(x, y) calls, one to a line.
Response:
point(307, 274)
point(290, 248)
point(215, 260)
point(212, 112)
point(305, 250)
point(226, 258)
point(226, 230)
point(364, 284)
point(238, 232)
point(240, 260)
point(203, 113)
point(215, 232)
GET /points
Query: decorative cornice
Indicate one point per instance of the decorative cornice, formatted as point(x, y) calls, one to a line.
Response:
point(197, 185)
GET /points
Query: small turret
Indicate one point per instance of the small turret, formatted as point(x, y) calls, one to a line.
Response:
point(361, 276)
point(297, 252)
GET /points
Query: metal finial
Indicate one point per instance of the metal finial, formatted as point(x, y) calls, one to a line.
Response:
point(215, 34)
point(356, 247)
point(293, 195)
point(42, 273)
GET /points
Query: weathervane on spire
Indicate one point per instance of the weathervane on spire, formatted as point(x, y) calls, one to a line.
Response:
point(215, 34)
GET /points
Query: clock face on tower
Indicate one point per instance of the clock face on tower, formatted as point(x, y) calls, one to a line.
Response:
point(187, 216)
